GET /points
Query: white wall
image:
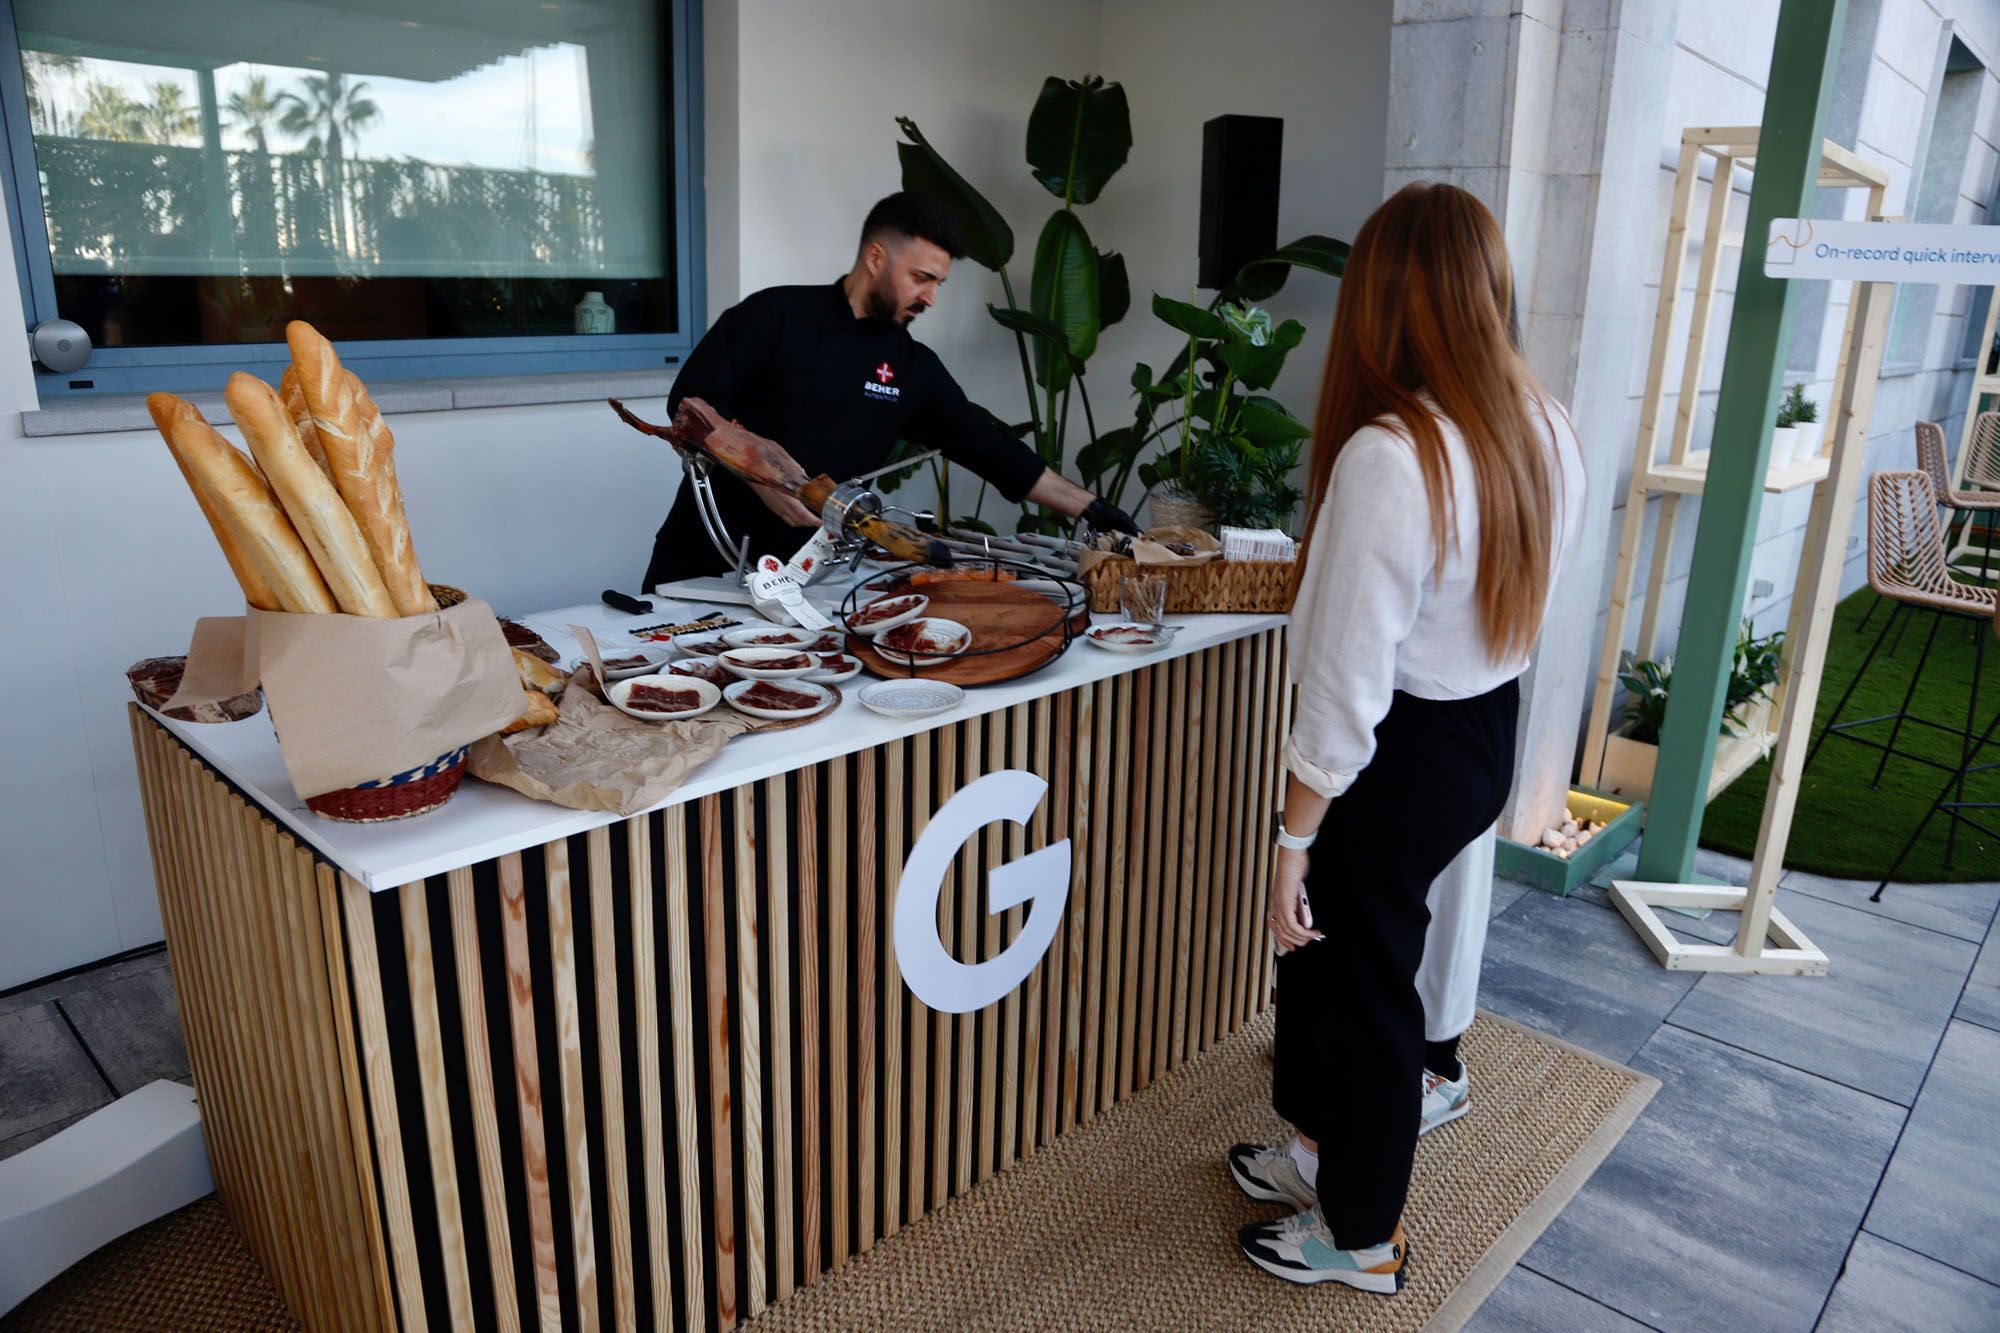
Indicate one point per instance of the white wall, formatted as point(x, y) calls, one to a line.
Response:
point(1324, 68)
point(105, 557)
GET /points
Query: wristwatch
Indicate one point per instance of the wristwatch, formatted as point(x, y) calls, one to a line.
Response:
point(1285, 839)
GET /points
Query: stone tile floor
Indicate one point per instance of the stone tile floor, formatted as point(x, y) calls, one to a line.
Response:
point(1823, 1153)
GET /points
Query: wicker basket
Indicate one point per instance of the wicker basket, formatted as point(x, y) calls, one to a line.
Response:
point(399, 797)
point(1219, 585)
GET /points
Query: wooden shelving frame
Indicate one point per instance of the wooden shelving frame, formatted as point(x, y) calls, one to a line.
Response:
point(1832, 476)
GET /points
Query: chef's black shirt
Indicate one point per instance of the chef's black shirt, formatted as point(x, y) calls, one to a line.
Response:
point(794, 365)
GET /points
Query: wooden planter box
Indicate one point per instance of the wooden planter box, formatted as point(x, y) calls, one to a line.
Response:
point(1629, 764)
point(1553, 874)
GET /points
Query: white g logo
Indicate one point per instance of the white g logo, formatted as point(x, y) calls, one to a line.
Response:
point(1042, 877)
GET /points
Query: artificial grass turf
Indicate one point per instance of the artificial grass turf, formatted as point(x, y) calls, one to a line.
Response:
point(1845, 830)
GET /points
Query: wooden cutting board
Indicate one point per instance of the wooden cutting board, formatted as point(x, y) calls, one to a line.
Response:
point(996, 613)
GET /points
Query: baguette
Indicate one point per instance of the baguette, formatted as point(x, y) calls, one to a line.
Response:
point(315, 508)
point(538, 675)
point(537, 710)
point(166, 410)
point(359, 455)
point(253, 517)
point(295, 407)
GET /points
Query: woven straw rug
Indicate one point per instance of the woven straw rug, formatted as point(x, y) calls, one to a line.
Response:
point(1129, 1223)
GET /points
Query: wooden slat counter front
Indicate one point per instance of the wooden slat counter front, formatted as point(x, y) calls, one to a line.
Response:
point(512, 1065)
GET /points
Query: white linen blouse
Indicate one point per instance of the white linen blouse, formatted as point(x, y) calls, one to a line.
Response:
point(1372, 616)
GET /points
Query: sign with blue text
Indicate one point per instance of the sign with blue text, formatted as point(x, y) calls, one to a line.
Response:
point(1921, 252)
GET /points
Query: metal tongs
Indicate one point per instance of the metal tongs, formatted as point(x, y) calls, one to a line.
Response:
point(705, 440)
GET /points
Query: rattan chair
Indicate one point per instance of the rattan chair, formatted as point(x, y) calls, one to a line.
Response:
point(1951, 802)
point(1907, 567)
point(1982, 462)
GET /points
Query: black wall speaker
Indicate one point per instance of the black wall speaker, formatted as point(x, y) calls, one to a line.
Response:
point(1239, 193)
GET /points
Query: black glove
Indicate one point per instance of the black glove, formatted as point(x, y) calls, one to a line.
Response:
point(1103, 516)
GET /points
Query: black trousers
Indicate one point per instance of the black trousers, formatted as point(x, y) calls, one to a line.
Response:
point(1348, 1056)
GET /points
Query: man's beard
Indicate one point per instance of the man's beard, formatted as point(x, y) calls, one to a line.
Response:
point(882, 306)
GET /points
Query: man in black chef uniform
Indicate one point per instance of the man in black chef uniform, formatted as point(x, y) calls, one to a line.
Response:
point(832, 374)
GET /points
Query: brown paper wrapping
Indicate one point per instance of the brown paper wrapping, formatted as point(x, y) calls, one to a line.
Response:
point(1150, 549)
point(356, 699)
point(593, 757)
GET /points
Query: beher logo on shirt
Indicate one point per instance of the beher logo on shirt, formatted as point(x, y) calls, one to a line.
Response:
point(880, 387)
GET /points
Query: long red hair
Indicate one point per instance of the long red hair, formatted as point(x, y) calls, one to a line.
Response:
point(1426, 309)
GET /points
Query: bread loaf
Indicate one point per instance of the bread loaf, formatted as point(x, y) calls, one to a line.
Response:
point(294, 400)
point(317, 512)
point(166, 410)
point(537, 710)
point(253, 516)
point(359, 455)
point(538, 675)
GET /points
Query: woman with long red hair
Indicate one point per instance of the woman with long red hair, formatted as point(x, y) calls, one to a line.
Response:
point(1446, 488)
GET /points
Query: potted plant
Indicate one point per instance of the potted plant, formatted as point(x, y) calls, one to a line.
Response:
point(1079, 134)
point(1807, 428)
point(1632, 753)
point(1784, 436)
point(1235, 450)
point(1747, 711)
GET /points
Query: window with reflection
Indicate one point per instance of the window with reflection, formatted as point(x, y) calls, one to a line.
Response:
point(387, 169)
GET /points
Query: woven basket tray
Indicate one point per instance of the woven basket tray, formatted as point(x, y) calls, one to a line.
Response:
point(1219, 585)
point(416, 792)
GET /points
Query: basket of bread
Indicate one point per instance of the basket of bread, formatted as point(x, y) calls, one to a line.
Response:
point(375, 688)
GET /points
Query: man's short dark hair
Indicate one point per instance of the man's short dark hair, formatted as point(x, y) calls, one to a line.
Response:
point(914, 215)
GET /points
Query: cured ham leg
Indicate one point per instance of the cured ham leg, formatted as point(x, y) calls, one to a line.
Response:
point(699, 429)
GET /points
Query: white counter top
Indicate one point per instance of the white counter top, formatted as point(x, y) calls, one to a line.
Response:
point(484, 821)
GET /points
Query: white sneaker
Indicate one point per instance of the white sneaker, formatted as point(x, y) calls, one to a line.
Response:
point(1300, 1249)
point(1445, 1100)
point(1269, 1175)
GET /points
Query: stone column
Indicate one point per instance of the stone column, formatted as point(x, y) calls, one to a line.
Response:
point(1553, 120)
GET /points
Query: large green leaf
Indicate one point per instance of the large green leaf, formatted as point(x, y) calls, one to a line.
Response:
point(1262, 278)
point(1026, 321)
point(1079, 134)
point(1064, 292)
point(1258, 367)
point(1263, 426)
point(1107, 453)
point(989, 241)
point(1189, 319)
point(1114, 289)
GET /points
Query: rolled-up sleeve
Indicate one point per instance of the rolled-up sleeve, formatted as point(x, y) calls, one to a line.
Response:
point(1366, 566)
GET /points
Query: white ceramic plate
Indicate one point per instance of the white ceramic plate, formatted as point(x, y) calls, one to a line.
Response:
point(734, 693)
point(699, 645)
point(917, 604)
point(769, 636)
point(749, 663)
point(1156, 637)
point(652, 660)
point(622, 690)
point(697, 667)
point(912, 698)
point(825, 677)
point(950, 630)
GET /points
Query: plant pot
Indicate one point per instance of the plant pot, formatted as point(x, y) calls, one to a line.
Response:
point(1784, 444)
point(1558, 875)
point(1629, 765)
point(1754, 718)
point(1170, 508)
point(1807, 440)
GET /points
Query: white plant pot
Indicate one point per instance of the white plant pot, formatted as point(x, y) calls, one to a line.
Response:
point(1784, 442)
point(1806, 442)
